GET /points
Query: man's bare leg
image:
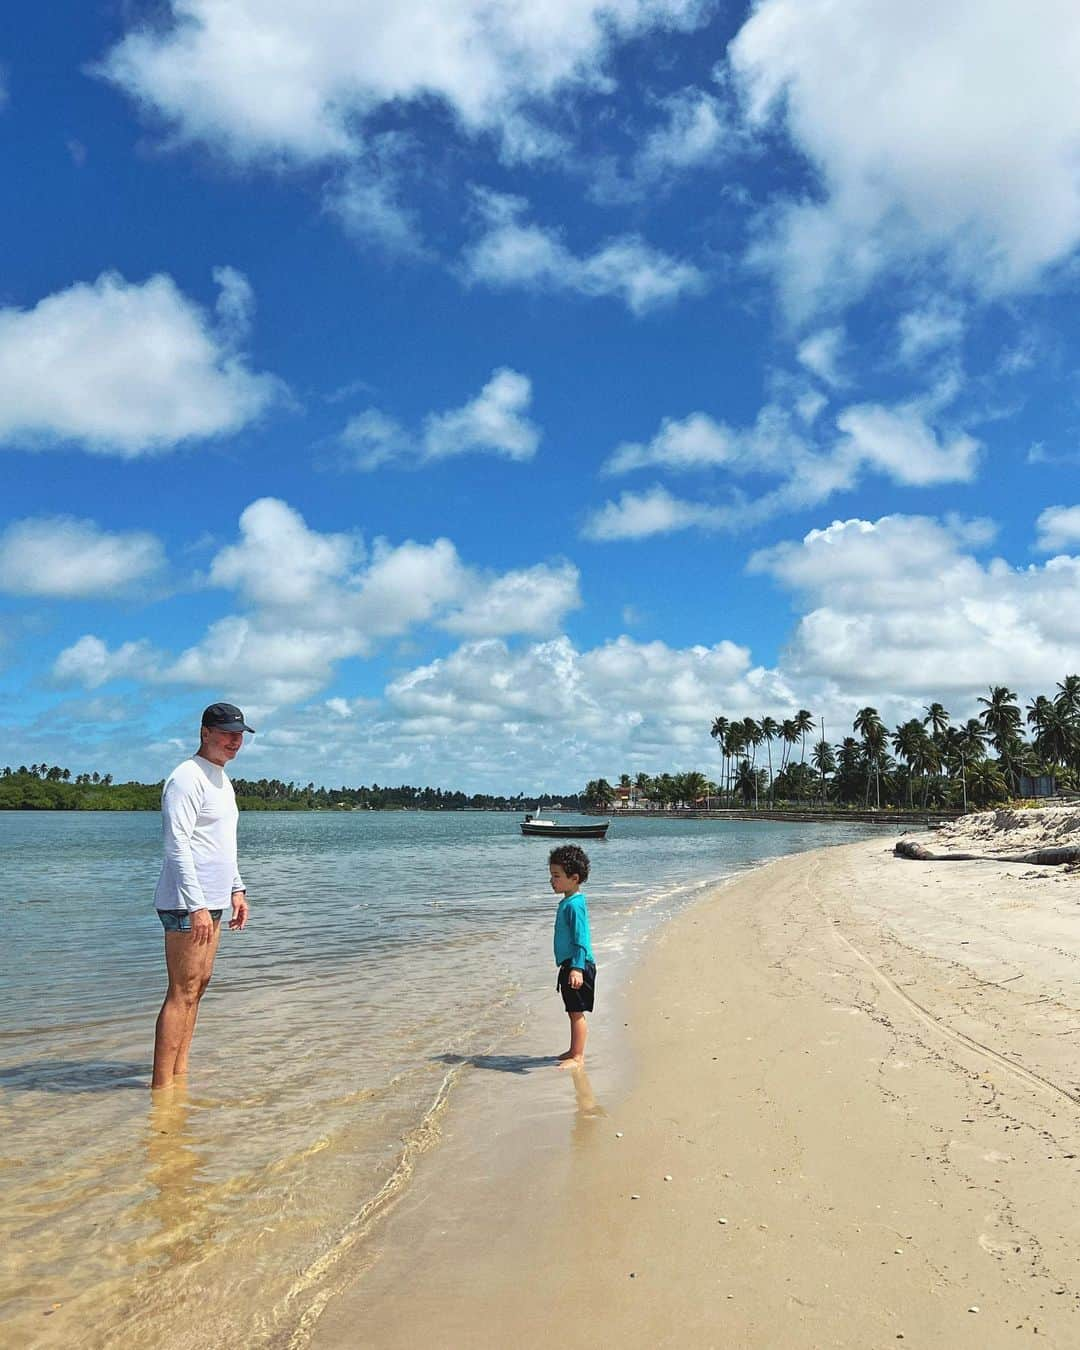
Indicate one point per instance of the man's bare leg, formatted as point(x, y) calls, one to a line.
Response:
point(579, 1032)
point(189, 968)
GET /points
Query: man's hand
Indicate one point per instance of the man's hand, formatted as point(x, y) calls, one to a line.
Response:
point(202, 927)
point(575, 980)
point(239, 910)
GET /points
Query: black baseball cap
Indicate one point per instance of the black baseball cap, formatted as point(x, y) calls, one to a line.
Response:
point(225, 717)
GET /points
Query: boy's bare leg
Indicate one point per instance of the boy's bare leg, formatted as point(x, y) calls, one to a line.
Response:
point(579, 1032)
point(189, 968)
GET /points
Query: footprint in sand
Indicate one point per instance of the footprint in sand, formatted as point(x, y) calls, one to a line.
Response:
point(989, 1245)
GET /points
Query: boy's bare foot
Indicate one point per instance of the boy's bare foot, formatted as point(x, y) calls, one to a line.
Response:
point(571, 1061)
point(566, 1054)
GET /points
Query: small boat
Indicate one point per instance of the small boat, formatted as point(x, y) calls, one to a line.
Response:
point(555, 829)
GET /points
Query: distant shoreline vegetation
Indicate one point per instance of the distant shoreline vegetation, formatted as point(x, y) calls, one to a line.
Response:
point(45, 787)
point(934, 764)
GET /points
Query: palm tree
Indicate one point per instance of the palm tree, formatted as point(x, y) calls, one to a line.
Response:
point(769, 730)
point(804, 725)
point(937, 719)
point(824, 761)
point(736, 744)
point(927, 762)
point(1001, 717)
point(752, 738)
point(1037, 712)
point(1068, 695)
point(746, 780)
point(719, 732)
point(972, 739)
point(872, 730)
point(789, 734)
point(692, 786)
point(986, 783)
point(907, 741)
point(643, 786)
point(1057, 739)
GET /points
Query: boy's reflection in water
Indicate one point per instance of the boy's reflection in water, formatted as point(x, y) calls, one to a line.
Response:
point(589, 1112)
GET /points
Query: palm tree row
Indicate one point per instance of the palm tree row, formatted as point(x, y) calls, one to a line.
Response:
point(936, 762)
point(737, 737)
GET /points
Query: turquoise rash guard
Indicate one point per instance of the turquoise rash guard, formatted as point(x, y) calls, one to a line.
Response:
point(572, 941)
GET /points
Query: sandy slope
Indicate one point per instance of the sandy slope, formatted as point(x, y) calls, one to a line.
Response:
point(862, 1077)
point(1012, 830)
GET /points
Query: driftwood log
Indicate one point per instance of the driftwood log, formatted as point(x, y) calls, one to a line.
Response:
point(1041, 857)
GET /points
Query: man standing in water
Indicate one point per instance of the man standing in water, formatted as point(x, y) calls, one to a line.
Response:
point(198, 879)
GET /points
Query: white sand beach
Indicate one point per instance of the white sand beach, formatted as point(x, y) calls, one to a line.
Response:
point(844, 1111)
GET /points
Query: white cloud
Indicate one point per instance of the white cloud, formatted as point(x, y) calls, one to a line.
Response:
point(407, 585)
point(638, 515)
point(274, 77)
point(278, 561)
point(624, 703)
point(928, 329)
point(235, 304)
point(264, 663)
point(127, 369)
point(901, 606)
point(494, 422)
point(963, 141)
point(373, 438)
point(697, 132)
point(695, 442)
point(313, 600)
point(366, 199)
point(534, 600)
point(73, 559)
point(1058, 529)
point(90, 663)
point(516, 253)
point(899, 442)
point(820, 352)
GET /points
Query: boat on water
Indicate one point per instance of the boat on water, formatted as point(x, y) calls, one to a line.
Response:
point(556, 829)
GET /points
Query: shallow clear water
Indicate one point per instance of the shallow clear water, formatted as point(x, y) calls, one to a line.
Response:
point(383, 948)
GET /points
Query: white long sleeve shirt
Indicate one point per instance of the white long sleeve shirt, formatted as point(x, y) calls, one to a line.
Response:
point(199, 815)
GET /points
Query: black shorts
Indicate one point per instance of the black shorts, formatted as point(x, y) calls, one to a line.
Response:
point(577, 1000)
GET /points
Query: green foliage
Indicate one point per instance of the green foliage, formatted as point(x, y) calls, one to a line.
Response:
point(41, 788)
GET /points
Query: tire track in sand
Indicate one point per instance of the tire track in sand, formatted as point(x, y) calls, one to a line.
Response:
point(934, 1023)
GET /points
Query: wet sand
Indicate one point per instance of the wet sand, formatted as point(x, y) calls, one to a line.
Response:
point(838, 1106)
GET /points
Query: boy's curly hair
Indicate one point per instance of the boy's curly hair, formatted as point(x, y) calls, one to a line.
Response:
point(574, 861)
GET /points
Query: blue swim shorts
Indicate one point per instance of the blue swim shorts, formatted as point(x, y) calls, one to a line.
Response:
point(179, 920)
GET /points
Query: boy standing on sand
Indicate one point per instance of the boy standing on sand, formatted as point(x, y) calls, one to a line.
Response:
point(569, 868)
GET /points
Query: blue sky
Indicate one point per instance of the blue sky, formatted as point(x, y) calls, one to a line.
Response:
point(489, 395)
